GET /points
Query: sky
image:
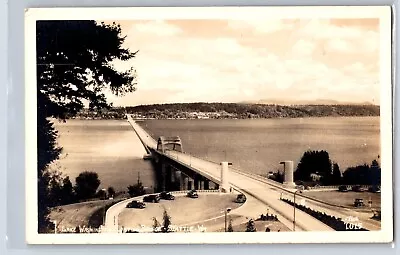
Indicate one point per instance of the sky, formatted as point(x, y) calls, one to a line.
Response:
point(250, 60)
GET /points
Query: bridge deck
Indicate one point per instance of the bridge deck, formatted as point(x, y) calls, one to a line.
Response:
point(268, 194)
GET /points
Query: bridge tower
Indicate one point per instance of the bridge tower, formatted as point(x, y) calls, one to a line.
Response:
point(225, 187)
point(175, 141)
point(288, 168)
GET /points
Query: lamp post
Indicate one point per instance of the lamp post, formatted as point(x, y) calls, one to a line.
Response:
point(294, 209)
point(227, 210)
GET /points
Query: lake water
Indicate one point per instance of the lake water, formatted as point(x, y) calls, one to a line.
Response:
point(258, 145)
point(111, 148)
point(108, 147)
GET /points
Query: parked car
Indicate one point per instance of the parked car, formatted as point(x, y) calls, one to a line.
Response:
point(300, 187)
point(192, 194)
point(241, 198)
point(166, 196)
point(136, 204)
point(357, 188)
point(343, 188)
point(375, 189)
point(151, 198)
point(358, 202)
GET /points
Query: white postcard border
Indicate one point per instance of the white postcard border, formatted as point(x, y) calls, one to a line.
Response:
point(143, 13)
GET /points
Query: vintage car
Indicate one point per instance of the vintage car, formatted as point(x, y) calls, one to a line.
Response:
point(166, 196)
point(358, 202)
point(192, 194)
point(136, 204)
point(151, 198)
point(241, 198)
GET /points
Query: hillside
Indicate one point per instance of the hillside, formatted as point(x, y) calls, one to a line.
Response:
point(231, 110)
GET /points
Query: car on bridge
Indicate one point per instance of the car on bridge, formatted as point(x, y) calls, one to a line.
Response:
point(152, 198)
point(192, 194)
point(136, 204)
point(166, 196)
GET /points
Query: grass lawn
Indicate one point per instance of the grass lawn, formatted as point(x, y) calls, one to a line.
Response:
point(347, 198)
point(183, 210)
point(88, 214)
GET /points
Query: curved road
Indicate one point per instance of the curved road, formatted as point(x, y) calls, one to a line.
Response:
point(261, 191)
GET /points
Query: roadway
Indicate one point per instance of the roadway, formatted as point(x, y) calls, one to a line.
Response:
point(263, 192)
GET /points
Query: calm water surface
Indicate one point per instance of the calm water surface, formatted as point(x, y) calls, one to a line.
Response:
point(108, 147)
point(258, 145)
point(111, 148)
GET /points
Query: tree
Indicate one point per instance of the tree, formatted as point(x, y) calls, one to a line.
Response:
point(230, 228)
point(156, 225)
point(55, 187)
point(86, 185)
point(313, 162)
point(250, 226)
point(363, 174)
point(166, 222)
point(101, 194)
point(67, 191)
point(111, 191)
point(74, 63)
point(336, 174)
point(136, 189)
point(356, 175)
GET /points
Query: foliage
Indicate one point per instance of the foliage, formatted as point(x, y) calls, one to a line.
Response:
point(363, 174)
point(101, 194)
point(111, 191)
point(333, 222)
point(336, 175)
point(166, 222)
point(136, 190)
point(244, 111)
point(314, 162)
point(156, 225)
point(86, 185)
point(73, 64)
point(250, 226)
point(230, 228)
point(60, 190)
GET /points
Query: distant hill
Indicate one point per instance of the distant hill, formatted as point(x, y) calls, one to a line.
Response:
point(304, 102)
point(247, 110)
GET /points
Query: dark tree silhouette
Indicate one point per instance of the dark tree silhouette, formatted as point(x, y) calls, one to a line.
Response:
point(67, 191)
point(363, 174)
point(336, 175)
point(136, 190)
point(250, 226)
point(314, 162)
point(101, 194)
point(166, 222)
point(230, 228)
point(73, 64)
point(156, 225)
point(111, 191)
point(86, 185)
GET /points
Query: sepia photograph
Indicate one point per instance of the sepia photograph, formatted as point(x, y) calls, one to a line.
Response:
point(201, 125)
